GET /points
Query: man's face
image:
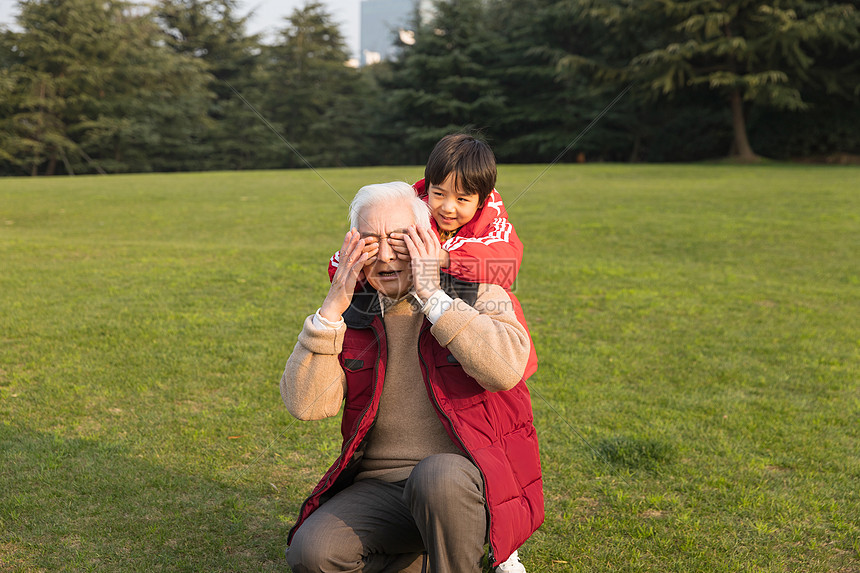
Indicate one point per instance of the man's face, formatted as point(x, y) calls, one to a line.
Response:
point(388, 274)
point(451, 209)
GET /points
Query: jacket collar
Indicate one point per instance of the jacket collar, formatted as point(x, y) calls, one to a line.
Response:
point(363, 308)
point(456, 288)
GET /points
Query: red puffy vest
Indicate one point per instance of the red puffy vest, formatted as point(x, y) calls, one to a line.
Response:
point(494, 429)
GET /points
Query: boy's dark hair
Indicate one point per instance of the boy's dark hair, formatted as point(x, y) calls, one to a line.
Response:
point(470, 160)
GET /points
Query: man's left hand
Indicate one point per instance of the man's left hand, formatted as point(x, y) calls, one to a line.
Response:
point(424, 250)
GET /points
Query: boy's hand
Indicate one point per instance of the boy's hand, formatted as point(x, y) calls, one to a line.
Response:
point(444, 259)
point(424, 256)
point(352, 261)
point(398, 245)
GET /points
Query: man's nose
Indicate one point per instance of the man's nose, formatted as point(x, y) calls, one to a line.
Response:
point(386, 253)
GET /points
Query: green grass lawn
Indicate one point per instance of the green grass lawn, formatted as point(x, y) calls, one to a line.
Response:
point(698, 396)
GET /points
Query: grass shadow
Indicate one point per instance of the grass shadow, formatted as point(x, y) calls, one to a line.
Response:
point(78, 504)
point(635, 453)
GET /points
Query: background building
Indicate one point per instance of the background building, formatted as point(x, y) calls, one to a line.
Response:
point(383, 21)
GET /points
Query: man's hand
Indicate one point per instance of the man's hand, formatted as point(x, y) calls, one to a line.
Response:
point(371, 247)
point(352, 260)
point(397, 242)
point(398, 245)
point(424, 257)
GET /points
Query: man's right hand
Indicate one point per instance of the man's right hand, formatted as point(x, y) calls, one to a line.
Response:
point(352, 260)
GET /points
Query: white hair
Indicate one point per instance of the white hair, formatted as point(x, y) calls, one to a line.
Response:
point(389, 194)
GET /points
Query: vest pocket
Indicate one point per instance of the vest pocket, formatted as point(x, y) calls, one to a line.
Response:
point(358, 367)
point(458, 387)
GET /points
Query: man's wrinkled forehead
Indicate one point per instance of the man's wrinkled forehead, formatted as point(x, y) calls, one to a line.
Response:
point(380, 221)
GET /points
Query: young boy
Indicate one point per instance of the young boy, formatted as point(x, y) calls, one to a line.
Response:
point(479, 244)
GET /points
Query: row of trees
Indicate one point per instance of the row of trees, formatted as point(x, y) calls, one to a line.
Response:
point(703, 76)
point(107, 86)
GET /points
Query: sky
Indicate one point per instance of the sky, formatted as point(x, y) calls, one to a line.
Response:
point(268, 16)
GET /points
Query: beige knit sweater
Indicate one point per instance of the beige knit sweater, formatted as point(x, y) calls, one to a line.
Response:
point(487, 339)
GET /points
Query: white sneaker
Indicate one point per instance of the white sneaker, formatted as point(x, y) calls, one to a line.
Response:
point(512, 565)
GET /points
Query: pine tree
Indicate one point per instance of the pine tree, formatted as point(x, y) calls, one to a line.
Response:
point(92, 88)
point(443, 82)
point(211, 32)
point(759, 52)
point(312, 94)
point(546, 108)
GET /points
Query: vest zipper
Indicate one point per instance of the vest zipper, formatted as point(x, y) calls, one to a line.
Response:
point(463, 447)
point(336, 468)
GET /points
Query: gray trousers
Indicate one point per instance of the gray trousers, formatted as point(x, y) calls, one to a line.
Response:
point(374, 525)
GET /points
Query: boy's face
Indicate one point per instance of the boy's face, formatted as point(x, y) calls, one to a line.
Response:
point(450, 207)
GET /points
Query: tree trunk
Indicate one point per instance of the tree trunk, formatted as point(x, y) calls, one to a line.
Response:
point(742, 143)
point(69, 170)
point(637, 147)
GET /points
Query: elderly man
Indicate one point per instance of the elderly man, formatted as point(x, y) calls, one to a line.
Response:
point(439, 450)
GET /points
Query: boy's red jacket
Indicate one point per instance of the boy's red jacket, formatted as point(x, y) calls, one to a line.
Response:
point(484, 250)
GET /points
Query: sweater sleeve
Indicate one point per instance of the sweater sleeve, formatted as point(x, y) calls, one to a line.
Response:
point(313, 384)
point(490, 343)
